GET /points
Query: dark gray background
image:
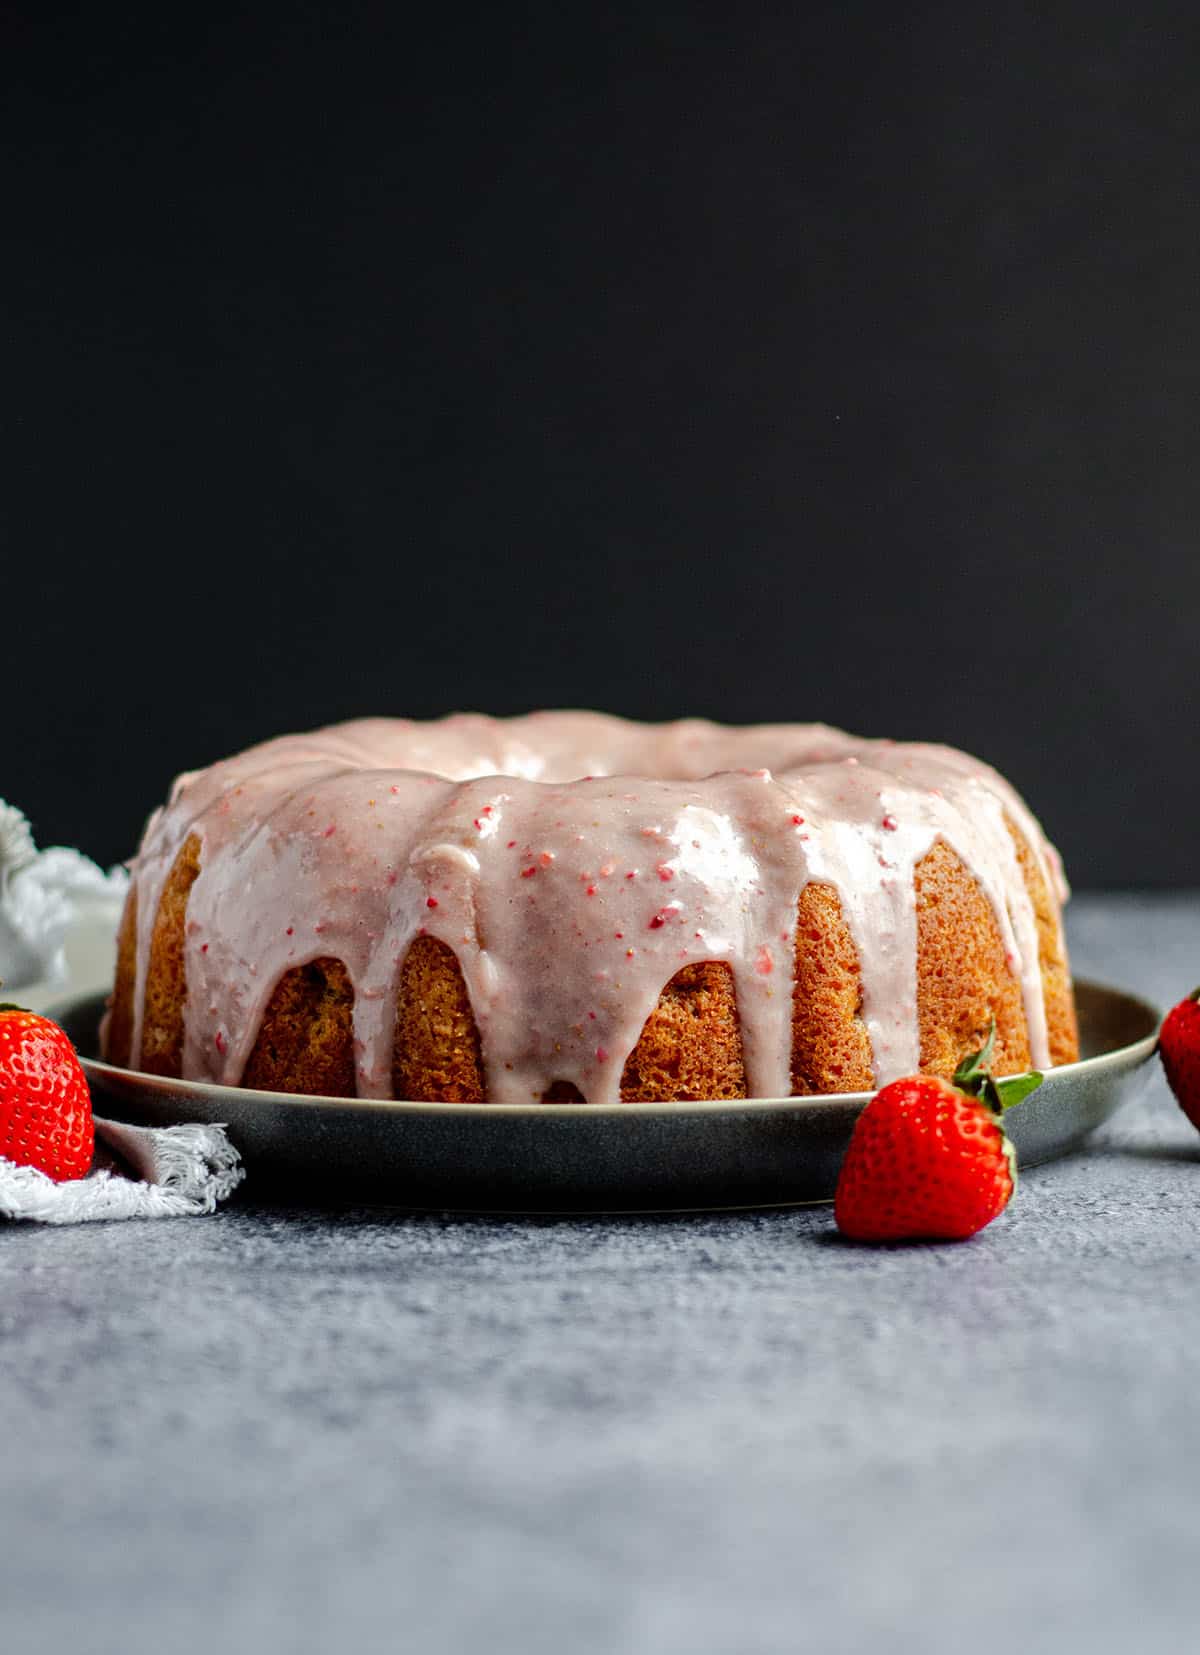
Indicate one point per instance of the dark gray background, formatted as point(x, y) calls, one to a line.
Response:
point(836, 362)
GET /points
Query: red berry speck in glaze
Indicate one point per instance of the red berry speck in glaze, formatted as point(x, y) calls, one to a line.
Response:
point(204, 948)
point(291, 930)
point(591, 890)
point(890, 823)
point(601, 1055)
point(330, 831)
point(528, 873)
point(763, 963)
point(665, 872)
point(431, 902)
point(219, 1042)
point(510, 844)
point(797, 821)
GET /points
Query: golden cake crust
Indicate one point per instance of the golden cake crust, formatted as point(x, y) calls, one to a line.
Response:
point(166, 979)
point(306, 1042)
point(435, 1054)
point(690, 1047)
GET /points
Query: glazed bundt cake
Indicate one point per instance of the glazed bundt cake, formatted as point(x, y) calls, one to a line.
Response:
point(569, 907)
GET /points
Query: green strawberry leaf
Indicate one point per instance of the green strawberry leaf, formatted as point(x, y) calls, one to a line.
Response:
point(974, 1077)
point(976, 1067)
point(1016, 1088)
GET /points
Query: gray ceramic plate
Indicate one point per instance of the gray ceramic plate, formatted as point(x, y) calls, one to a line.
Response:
point(639, 1157)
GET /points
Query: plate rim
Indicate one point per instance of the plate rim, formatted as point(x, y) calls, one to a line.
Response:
point(107, 1074)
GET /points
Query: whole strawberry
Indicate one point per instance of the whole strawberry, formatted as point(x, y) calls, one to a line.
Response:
point(929, 1159)
point(1179, 1048)
point(45, 1109)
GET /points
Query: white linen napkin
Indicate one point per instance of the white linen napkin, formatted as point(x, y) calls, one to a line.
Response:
point(43, 895)
point(49, 898)
point(138, 1172)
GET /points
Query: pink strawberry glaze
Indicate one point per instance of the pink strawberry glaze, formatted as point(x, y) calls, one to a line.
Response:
point(352, 840)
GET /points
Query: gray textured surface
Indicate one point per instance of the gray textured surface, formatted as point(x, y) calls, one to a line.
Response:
point(306, 1432)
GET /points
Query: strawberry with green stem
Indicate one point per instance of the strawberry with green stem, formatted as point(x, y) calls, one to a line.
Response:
point(929, 1158)
point(45, 1108)
point(1179, 1049)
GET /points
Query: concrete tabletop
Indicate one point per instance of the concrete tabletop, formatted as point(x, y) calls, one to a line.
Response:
point(300, 1431)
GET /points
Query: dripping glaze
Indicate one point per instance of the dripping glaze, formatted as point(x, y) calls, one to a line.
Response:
point(574, 863)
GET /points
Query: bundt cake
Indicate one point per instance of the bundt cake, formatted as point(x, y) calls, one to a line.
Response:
point(570, 907)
